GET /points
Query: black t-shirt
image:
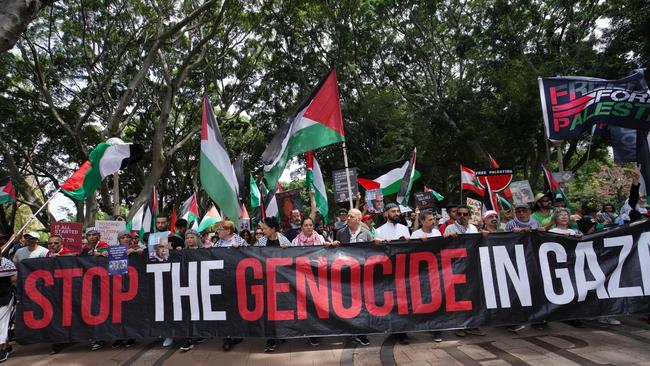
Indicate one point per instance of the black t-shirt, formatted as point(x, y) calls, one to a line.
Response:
point(6, 290)
point(273, 243)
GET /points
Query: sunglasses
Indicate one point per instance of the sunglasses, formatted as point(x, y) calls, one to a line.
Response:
point(259, 233)
point(462, 213)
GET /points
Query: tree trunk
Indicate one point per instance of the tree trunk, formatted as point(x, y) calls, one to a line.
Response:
point(15, 15)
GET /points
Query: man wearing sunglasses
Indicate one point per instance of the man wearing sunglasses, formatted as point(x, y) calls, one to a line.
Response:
point(461, 225)
point(543, 209)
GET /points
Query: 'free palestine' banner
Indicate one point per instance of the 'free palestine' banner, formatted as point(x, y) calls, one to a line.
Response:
point(468, 281)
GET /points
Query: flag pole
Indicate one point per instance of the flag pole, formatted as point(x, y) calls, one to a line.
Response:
point(116, 194)
point(461, 187)
point(32, 217)
point(347, 173)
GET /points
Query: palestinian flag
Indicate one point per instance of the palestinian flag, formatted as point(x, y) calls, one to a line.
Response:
point(190, 209)
point(315, 182)
point(552, 187)
point(104, 160)
point(387, 177)
point(211, 217)
point(493, 164)
point(270, 203)
point(238, 168)
point(316, 123)
point(256, 197)
point(144, 220)
point(7, 193)
point(407, 182)
point(217, 175)
point(437, 195)
point(468, 181)
point(489, 199)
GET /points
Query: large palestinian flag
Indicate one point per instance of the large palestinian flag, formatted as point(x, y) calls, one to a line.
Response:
point(217, 175)
point(316, 123)
point(104, 160)
point(7, 193)
point(388, 177)
point(315, 182)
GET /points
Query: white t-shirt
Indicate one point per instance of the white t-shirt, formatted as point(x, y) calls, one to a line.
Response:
point(557, 230)
point(453, 228)
point(419, 234)
point(24, 253)
point(390, 231)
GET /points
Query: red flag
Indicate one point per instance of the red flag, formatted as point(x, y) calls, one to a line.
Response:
point(173, 225)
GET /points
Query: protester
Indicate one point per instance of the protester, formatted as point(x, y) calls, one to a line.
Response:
point(607, 214)
point(635, 206)
point(341, 219)
point(32, 249)
point(451, 211)
point(124, 238)
point(491, 222)
point(558, 202)
point(368, 221)
point(307, 236)
point(192, 242)
point(522, 220)
point(292, 228)
point(228, 237)
point(428, 220)
point(247, 236)
point(94, 246)
point(353, 232)
point(272, 236)
point(161, 223)
point(258, 234)
point(543, 205)
point(54, 245)
point(8, 276)
point(392, 229)
point(561, 221)
point(504, 217)
point(461, 225)
point(323, 231)
point(177, 239)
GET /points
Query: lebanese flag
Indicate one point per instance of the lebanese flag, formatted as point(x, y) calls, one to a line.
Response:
point(388, 177)
point(506, 192)
point(105, 159)
point(407, 181)
point(190, 209)
point(316, 123)
point(217, 174)
point(315, 182)
point(211, 217)
point(7, 193)
point(468, 181)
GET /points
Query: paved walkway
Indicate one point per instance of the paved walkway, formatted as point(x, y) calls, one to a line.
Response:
point(560, 344)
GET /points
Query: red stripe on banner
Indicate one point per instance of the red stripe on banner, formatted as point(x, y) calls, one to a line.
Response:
point(572, 104)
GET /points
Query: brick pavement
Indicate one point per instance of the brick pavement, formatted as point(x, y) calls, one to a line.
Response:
point(560, 344)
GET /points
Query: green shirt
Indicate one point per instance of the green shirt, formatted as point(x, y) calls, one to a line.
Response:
point(541, 218)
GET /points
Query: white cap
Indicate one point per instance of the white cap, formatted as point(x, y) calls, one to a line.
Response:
point(33, 234)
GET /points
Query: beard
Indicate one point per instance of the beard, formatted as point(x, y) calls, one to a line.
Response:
point(394, 220)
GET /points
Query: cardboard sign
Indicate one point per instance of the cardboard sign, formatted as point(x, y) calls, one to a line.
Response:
point(475, 210)
point(341, 193)
point(72, 234)
point(424, 200)
point(521, 192)
point(375, 201)
point(244, 224)
point(109, 230)
point(118, 262)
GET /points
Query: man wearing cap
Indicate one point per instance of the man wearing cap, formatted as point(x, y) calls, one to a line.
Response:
point(369, 224)
point(522, 220)
point(392, 229)
point(491, 222)
point(341, 220)
point(543, 209)
point(461, 225)
point(31, 249)
point(94, 246)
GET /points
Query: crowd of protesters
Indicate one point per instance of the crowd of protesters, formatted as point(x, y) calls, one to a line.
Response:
point(356, 225)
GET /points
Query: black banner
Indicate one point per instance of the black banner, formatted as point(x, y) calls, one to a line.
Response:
point(468, 281)
point(572, 105)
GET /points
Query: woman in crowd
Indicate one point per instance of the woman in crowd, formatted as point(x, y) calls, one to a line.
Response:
point(227, 236)
point(247, 236)
point(307, 236)
point(193, 241)
point(561, 221)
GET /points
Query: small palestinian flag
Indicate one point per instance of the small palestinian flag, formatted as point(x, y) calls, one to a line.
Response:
point(407, 181)
point(387, 177)
point(468, 181)
point(256, 196)
point(190, 209)
point(211, 217)
point(105, 159)
point(490, 202)
point(552, 187)
point(217, 174)
point(316, 123)
point(315, 182)
point(437, 195)
point(7, 193)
